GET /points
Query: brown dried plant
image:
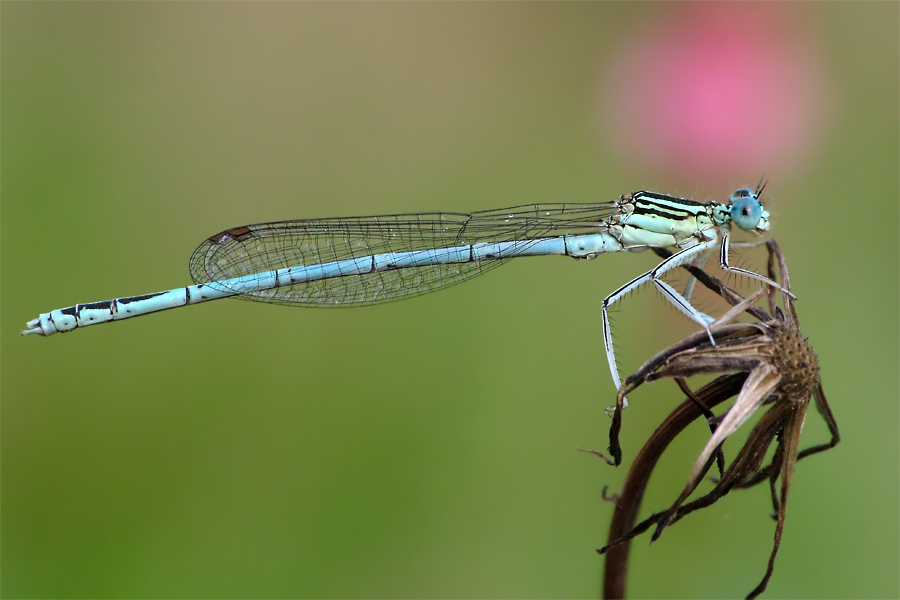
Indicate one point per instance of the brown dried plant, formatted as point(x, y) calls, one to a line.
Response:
point(766, 362)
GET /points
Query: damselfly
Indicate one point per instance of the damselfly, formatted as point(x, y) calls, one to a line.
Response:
point(361, 261)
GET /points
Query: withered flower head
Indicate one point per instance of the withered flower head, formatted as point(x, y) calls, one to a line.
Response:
point(764, 362)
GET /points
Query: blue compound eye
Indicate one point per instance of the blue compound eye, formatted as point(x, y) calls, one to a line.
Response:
point(745, 210)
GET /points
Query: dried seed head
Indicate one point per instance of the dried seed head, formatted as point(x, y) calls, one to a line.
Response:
point(767, 362)
point(796, 361)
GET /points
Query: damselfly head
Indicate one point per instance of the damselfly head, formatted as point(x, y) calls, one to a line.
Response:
point(746, 211)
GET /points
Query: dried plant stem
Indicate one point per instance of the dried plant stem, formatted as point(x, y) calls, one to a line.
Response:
point(628, 501)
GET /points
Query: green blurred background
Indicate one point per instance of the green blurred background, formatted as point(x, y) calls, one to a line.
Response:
point(423, 448)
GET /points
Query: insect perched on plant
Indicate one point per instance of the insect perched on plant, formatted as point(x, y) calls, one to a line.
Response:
point(360, 261)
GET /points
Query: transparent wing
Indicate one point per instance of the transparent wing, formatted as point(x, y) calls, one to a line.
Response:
point(255, 249)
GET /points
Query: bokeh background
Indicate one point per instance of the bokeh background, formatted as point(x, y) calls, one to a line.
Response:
point(424, 448)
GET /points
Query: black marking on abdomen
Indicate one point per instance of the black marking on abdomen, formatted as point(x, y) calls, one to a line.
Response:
point(131, 299)
point(102, 305)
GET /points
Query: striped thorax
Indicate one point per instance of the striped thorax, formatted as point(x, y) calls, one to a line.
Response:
point(648, 219)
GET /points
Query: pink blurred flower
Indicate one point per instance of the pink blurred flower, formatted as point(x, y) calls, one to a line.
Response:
point(717, 90)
